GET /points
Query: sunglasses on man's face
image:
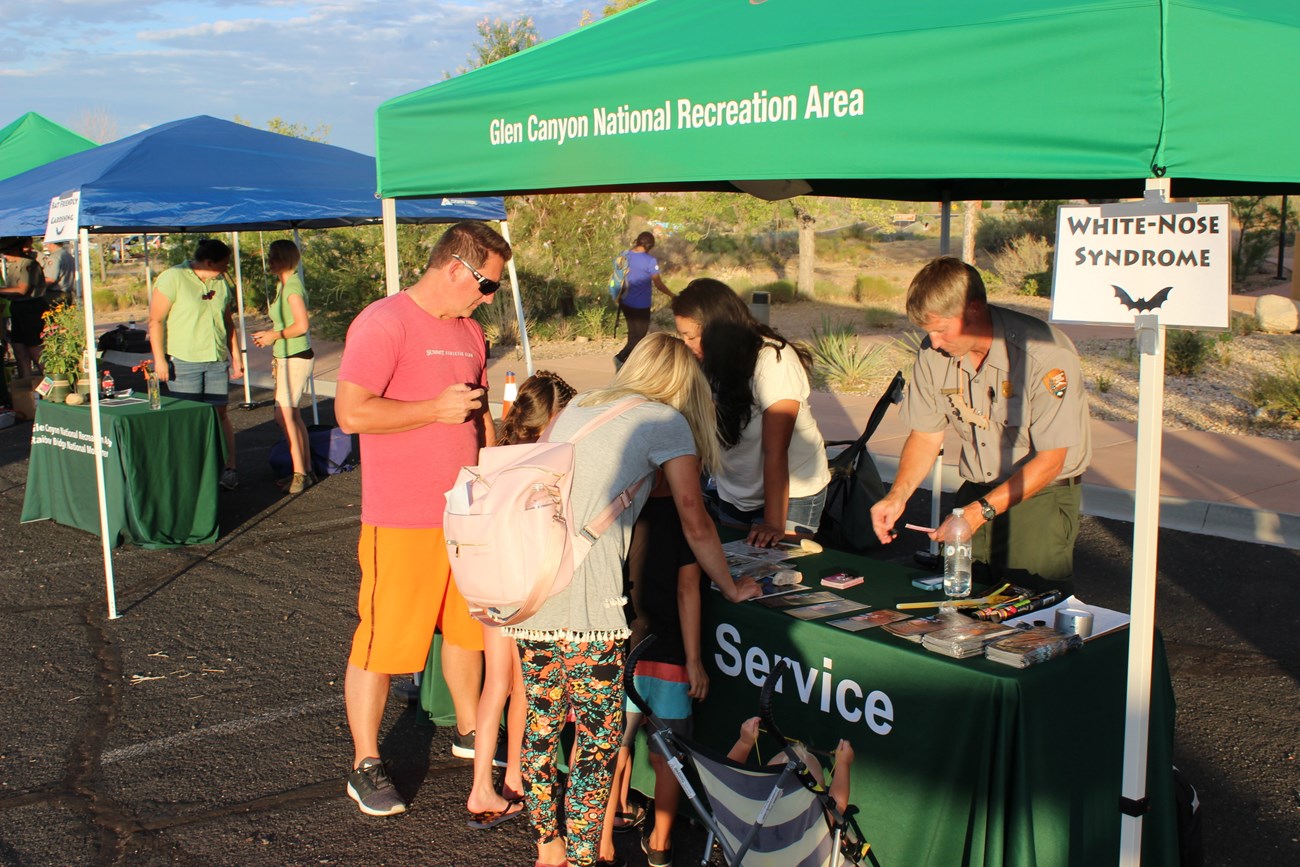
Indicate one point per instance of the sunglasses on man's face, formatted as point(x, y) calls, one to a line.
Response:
point(485, 286)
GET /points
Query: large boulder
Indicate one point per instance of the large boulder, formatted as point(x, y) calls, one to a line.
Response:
point(1276, 314)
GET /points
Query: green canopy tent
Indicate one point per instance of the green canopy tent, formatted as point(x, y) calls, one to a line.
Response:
point(924, 101)
point(32, 141)
point(930, 100)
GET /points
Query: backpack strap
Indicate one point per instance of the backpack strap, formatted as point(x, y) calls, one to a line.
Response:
point(621, 503)
point(608, 415)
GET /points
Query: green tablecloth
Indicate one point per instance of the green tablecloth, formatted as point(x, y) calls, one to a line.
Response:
point(959, 762)
point(161, 471)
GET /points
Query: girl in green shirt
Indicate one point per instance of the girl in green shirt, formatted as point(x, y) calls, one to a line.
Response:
point(291, 362)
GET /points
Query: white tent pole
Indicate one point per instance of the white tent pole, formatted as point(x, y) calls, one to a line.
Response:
point(519, 304)
point(96, 425)
point(243, 333)
point(148, 272)
point(1142, 603)
point(311, 378)
point(936, 495)
point(392, 277)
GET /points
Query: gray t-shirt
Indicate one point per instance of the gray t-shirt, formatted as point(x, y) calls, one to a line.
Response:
point(60, 270)
point(608, 460)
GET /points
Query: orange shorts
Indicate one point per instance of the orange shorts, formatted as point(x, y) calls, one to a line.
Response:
point(406, 591)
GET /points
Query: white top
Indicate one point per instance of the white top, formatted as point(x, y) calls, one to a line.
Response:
point(777, 377)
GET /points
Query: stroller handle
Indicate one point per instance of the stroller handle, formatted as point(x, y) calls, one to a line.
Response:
point(629, 672)
point(765, 699)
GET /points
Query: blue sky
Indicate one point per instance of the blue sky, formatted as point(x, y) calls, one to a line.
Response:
point(95, 65)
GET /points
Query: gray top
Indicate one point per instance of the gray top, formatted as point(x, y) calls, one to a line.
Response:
point(60, 269)
point(608, 460)
point(1027, 397)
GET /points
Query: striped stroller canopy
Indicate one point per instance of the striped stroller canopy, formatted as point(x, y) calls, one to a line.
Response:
point(794, 832)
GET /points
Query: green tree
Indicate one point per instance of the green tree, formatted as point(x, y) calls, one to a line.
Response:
point(499, 39)
point(564, 244)
point(612, 7)
point(281, 126)
point(1258, 219)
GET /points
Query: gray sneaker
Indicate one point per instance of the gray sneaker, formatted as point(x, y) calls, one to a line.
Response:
point(462, 746)
point(229, 478)
point(299, 483)
point(370, 786)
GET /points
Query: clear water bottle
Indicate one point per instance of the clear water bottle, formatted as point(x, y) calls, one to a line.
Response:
point(106, 385)
point(956, 557)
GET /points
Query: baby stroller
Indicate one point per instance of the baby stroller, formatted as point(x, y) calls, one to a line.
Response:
point(773, 816)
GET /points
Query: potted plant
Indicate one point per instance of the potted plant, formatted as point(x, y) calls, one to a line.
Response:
point(63, 347)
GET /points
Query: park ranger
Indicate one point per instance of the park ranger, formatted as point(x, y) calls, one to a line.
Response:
point(1009, 385)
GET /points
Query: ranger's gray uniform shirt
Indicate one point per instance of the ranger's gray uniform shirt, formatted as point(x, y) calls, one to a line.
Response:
point(1029, 389)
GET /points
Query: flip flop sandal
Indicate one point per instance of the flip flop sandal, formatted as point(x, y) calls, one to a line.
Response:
point(491, 818)
point(632, 819)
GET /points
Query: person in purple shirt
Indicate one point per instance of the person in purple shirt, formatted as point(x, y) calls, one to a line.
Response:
point(636, 298)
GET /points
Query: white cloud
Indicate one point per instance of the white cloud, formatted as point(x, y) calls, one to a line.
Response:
point(312, 62)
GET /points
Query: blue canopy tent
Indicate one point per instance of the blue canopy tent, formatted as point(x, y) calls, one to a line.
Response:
point(203, 174)
point(207, 175)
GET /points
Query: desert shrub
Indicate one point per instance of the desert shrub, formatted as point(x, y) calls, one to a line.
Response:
point(1104, 383)
point(105, 299)
point(500, 325)
point(1025, 265)
point(879, 317)
point(594, 320)
point(998, 231)
point(841, 362)
point(824, 288)
point(1186, 353)
point(869, 287)
point(1242, 324)
point(1278, 392)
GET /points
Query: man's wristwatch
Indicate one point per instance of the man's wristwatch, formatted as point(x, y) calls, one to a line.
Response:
point(986, 510)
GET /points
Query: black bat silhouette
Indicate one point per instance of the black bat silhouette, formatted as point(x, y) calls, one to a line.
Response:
point(1142, 305)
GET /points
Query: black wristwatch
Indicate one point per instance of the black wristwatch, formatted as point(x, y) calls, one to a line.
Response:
point(986, 510)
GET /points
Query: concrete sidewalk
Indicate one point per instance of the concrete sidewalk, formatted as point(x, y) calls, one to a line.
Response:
point(1245, 488)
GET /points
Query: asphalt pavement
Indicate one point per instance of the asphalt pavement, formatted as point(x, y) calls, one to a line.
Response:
point(206, 726)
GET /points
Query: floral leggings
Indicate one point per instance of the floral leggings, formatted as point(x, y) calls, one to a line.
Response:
point(586, 676)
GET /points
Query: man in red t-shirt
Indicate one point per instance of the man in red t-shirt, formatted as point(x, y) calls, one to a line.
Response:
point(413, 384)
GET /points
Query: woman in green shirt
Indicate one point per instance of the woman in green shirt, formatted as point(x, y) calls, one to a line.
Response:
point(291, 362)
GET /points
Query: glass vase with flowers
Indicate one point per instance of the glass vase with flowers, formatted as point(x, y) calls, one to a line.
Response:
point(150, 382)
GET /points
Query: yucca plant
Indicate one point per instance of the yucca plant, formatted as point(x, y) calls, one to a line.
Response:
point(843, 363)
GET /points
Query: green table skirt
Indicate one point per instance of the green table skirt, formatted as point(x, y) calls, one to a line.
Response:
point(959, 762)
point(161, 471)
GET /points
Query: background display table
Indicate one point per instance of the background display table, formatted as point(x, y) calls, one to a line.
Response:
point(959, 762)
point(161, 471)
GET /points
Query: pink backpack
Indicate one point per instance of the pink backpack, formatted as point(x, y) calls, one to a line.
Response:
point(507, 525)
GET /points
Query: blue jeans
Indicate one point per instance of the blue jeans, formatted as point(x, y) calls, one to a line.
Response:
point(804, 515)
point(204, 381)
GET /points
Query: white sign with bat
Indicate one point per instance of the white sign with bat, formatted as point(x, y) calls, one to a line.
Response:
point(1176, 265)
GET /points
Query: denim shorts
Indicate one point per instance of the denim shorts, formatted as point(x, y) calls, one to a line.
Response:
point(803, 516)
point(206, 381)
